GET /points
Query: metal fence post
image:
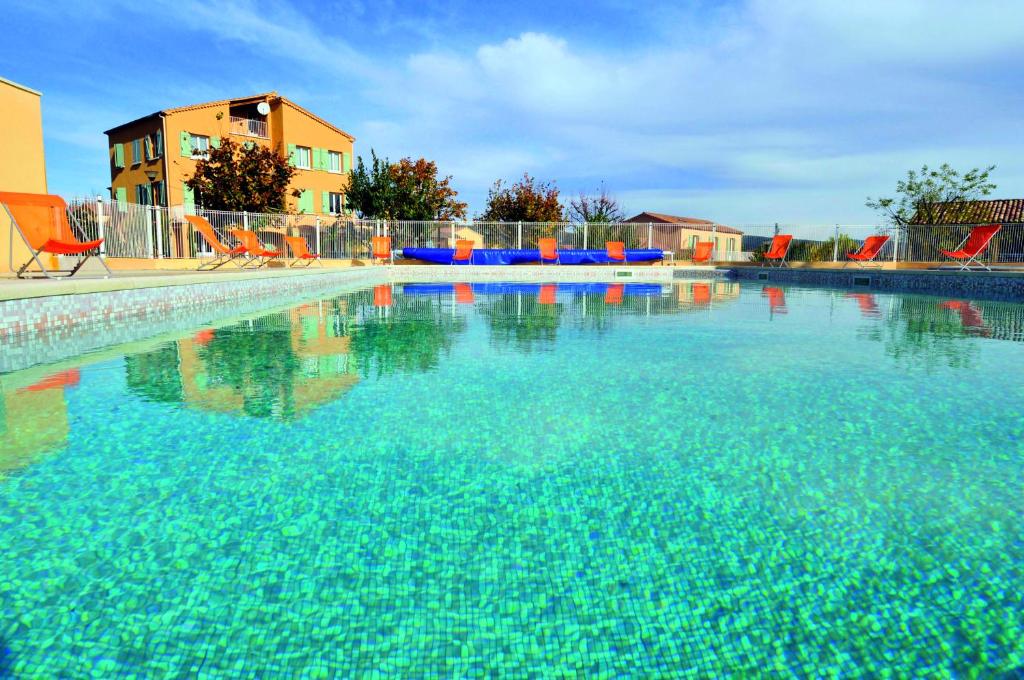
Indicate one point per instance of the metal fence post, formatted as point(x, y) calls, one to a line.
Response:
point(519, 235)
point(316, 226)
point(148, 230)
point(650, 235)
point(896, 244)
point(245, 219)
point(159, 232)
point(835, 246)
point(100, 231)
point(714, 248)
point(586, 228)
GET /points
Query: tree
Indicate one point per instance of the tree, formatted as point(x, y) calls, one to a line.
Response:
point(527, 200)
point(235, 177)
point(601, 208)
point(935, 196)
point(420, 195)
point(406, 190)
point(371, 192)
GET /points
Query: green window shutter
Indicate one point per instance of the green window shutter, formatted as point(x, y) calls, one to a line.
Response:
point(291, 155)
point(121, 194)
point(346, 162)
point(119, 155)
point(190, 198)
point(325, 202)
point(186, 145)
point(316, 158)
point(159, 143)
point(215, 142)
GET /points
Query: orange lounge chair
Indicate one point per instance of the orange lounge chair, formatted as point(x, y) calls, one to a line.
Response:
point(703, 251)
point(381, 249)
point(548, 294)
point(776, 299)
point(868, 251)
point(616, 251)
point(778, 250)
point(253, 248)
point(224, 254)
point(548, 250)
point(42, 222)
point(613, 296)
point(463, 294)
point(463, 252)
point(300, 251)
point(974, 245)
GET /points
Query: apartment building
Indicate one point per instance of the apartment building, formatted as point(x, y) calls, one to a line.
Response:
point(22, 161)
point(151, 157)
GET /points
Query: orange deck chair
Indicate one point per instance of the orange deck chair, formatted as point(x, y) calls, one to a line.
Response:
point(974, 245)
point(463, 252)
point(254, 249)
point(463, 294)
point(613, 296)
point(778, 250)
point(868, 251)
point(548, 294)
point(616, 251)
point(224, 254)
point(381, 249)
point(300, 251)
point(702, 252)
point(42, 222)
point(68, 378)
point(548, 250)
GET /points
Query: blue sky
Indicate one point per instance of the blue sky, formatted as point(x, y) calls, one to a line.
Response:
point(743, 112)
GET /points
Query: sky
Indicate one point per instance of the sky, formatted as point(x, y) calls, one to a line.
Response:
point(743, 112)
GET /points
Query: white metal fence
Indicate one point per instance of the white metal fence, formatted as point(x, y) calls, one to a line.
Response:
point(140, 231)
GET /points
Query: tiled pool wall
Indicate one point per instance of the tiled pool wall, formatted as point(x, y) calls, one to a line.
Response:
point(977, 285)
point(46, 329)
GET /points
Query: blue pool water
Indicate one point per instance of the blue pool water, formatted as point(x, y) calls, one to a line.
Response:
point(703, 479)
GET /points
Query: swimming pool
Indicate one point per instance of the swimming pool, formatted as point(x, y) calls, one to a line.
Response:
point(706, 478)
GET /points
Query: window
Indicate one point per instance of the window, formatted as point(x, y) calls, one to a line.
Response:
point(136, 151)
point(730, 245)
point(302, 157)
point(333, 161)
point(336, 204)
point(143, 195)
point(693, 242)
point(154, 144)
point(200, 146)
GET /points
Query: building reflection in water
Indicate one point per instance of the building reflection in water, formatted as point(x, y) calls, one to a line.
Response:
point(34, 420)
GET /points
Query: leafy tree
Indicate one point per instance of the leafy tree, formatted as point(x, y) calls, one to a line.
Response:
point(602, 208)
point(406, 190)
point(942, 196)
point(371, 191)
point(253, 178)
point(420, 195)
point(527, 200)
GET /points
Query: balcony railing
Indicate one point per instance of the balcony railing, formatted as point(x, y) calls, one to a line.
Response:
point(249, 127)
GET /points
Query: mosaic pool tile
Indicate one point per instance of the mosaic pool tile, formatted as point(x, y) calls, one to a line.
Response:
point(706, 479)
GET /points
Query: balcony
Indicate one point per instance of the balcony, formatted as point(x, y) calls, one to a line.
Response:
point(248, 127)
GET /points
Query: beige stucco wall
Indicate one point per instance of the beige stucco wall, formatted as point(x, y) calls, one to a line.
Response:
point(286, 125)
point(22, 161)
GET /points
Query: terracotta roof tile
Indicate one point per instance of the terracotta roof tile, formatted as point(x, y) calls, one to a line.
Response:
point(689, 222)
point(973, 212)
